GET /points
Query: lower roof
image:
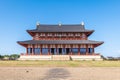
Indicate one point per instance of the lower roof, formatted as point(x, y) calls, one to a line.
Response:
point(97, 43)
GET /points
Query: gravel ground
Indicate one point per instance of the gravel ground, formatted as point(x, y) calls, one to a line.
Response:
point(59, 73)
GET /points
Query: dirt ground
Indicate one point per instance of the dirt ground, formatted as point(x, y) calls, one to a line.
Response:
point(60, 73)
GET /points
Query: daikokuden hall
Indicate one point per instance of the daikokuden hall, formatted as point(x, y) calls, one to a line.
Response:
point(60, 42)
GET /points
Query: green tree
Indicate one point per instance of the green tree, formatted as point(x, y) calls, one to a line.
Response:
point(14, 56)
point(6, 57)
point(1, 57)
point(103, 57)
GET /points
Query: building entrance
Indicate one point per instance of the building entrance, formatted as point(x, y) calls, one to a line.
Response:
point(53, 51)
point(60, 51)
point(67, 51)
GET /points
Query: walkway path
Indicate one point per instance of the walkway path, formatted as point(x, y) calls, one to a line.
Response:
point(59, 73)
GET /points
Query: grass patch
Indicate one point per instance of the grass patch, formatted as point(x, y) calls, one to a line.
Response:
point(59, 63)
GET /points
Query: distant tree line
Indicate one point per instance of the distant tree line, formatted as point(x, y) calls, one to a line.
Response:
point(9, 57)
point(110, 58)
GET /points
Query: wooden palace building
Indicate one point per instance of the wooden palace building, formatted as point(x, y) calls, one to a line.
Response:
point(60, 42)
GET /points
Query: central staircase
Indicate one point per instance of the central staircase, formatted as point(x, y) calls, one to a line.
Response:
point(60, 57)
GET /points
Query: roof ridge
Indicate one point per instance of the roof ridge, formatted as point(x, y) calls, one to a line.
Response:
point(61, 23)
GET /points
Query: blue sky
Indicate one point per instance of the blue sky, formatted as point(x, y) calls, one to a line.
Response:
point(16, 16)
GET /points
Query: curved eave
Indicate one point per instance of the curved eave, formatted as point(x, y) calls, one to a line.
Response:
point(95, 43)
point(31, 32)
point(22, 44)
point(60, 31)
point(89, 32)
point(100, 43)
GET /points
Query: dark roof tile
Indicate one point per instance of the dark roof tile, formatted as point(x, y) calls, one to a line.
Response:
point(60, 42)
point(60, 28)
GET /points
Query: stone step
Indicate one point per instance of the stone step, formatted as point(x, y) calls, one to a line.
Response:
point(60, 57)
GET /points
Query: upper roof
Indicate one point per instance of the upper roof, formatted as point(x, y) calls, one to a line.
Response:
point(60, 28)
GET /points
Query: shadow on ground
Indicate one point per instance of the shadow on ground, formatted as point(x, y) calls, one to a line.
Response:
point(56, 74)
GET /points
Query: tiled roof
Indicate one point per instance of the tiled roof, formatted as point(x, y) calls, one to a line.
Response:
point(60, 28)
point(60, 42)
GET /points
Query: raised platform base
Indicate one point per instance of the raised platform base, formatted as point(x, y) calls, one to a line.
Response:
point(60, 57)
point(89, 57)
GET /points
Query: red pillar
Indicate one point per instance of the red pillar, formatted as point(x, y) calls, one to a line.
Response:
point(64, 49)
point(40, 49)
point(93, 51)
point(86, 49)
point(56, 50)
point(78, 49)
point(26, 51)
point(71, 49)
point(48, 49)
point(32, 49)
